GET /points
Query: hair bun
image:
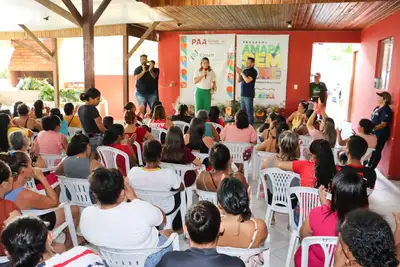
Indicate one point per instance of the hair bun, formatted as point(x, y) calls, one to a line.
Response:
point(83, 97)
point(198, 218)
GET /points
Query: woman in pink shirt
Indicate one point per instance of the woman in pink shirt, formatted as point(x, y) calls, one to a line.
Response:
point(364, 130)
point(50, 141)
point(241, 131)
point(348, 193)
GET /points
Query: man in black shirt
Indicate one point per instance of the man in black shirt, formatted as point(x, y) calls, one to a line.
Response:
point(203, 224)
point(154, 72)
point(145, 76)
point(318, 90)
point(247, 78)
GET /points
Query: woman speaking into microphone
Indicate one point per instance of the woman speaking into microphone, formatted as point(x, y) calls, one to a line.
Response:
point(204, 78)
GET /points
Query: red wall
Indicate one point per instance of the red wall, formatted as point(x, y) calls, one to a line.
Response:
point(365, 98)
point(299, 65)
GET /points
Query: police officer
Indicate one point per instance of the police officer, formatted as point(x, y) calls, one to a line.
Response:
point(381, 118)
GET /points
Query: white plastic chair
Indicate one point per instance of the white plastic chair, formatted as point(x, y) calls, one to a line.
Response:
point(367, 155)
point(157, 133)
point(159, 199)
point(280, 181)
point(30, 184)
point(4, 259)
point(328, 245)
point(260, 156)
point(108, 156)
point(182, 125)
point(308, 199)
point(218, 127)
point(236, 150)
point(123, 257)
point(51, 160)
point(139, 153)
point(79, 190)
point(245, 254)
point(72, 131)
point(206, 195)
point(305, 140)
point(69, 222)
point(202, 157)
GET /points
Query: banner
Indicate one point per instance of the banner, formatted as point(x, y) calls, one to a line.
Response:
point(271, 59)
point(220, 50)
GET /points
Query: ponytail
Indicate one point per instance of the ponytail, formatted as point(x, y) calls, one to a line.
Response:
point(112, 134)
point(90, 93)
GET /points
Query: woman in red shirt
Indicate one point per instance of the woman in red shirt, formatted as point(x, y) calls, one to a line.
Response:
point(115, 137)
point(131, 128)
point(213, 116)
point(159, 119)
point(175, 151)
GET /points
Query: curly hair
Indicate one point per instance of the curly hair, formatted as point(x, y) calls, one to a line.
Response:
point(369, 238)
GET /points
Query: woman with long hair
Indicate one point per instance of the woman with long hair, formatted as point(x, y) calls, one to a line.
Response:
point(115, 137)
point(298, 118)
point(4, 124)
point(64, 125)
point(175, 151)
point(240, 131)
point(271, 144)
point(221, 162)
point(195, 139)
point(213, 116)
point(70, 116)
point(25, 121)
point(15, 110)
point(182, 114)
point(210, 129)
point(159, 119)
point(326, 130)
point(132, 128)
point(348, 193)
point(204, 78)
point(130, 106)
point(38, 108)
point(319, 171)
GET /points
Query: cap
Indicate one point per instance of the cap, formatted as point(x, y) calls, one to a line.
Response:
point(317, 74)
point(386, 96)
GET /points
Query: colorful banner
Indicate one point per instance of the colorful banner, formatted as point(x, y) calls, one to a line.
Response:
point(220, 50)
point(271, 60)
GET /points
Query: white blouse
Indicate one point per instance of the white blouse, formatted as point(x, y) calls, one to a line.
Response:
point(205, 82)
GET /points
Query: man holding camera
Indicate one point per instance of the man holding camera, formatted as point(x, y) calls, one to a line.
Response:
point(146, 77)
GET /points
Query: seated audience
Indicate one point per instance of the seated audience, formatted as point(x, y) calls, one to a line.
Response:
point(195, 139)
point(348, 193)
point(108, 121)
point(319, 171)
point(9, 209)
point(25, 121)
point(64, 125)
point(38, 108)
point(241, 229)
point(6, 128)
point(159, 119)
point(78, 163)
point(213, 116)
point(26, 199)
point(152, 178)
point(365, 129)
point(20, 142)
point(203, 227)
point(131, 128)
point(182, 115)
point(115, 137)
point(355, 149)
point(270, 143)
point(176, 152)
point(27, 241)
point(50, 141)
point(15, 108)
point(221, 163)
point(326, 129)
point(135, 220)
point(210, 130)
point(149, 116)
point(70, 117)
point(365, 240)
point(298, 118)
point(240, 131)
point(132, 108)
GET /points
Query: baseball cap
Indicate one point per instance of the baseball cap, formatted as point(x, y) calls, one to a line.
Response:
point(317, 74)
point(386, 96)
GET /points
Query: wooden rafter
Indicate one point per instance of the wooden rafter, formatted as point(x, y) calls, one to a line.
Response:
point(34, 50)
point(100, 10)
point(59, 10)
point(144, 36)
point(74, 12)
point(42, 45)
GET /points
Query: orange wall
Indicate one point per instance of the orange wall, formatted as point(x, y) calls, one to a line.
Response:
point(365, 98)
point(299, 65)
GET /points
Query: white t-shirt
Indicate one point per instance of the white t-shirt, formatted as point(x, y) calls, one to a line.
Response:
point(129, 225)
point(161, 180)
point(205, 82)
point(75, 257)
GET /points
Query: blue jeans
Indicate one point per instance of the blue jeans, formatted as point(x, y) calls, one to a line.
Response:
point(146, 99)
point(246, 103)
point(155, 258)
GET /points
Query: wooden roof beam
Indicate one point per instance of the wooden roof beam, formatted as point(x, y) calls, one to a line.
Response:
point(59, 10)
point(74, 12)
point(99, 11)
point(136, 30)
point(34, 50)
point(144, 36)
point(42, 45)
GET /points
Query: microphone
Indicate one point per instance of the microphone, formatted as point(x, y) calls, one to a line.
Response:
point(206, 69)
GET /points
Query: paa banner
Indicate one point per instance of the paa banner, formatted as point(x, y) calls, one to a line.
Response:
point(220, 50)
point(271, 58)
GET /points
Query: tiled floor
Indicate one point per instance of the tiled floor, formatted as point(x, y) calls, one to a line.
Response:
point(385, 200)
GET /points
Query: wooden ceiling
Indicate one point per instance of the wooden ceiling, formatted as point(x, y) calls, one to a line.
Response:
point(272, 15)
